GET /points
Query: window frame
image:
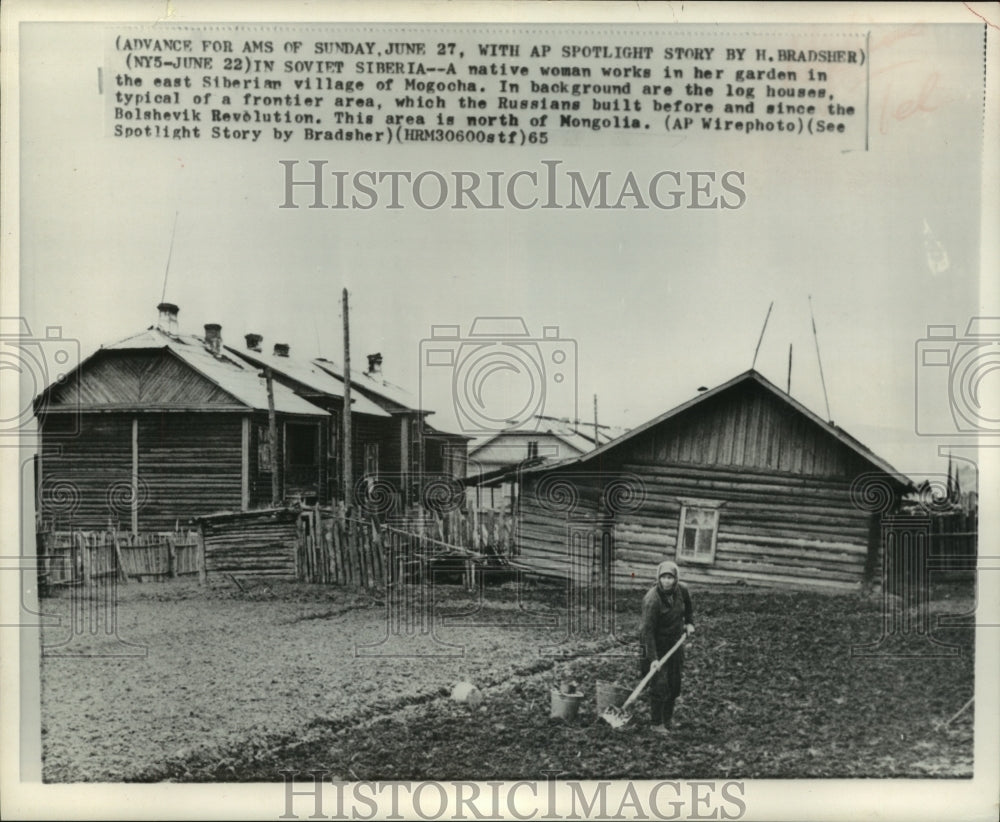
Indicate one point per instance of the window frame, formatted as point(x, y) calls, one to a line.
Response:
point(708, 506)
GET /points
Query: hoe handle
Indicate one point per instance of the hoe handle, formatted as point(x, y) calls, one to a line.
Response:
point(652, 672)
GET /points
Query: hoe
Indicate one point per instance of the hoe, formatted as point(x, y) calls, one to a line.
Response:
point(620, 717)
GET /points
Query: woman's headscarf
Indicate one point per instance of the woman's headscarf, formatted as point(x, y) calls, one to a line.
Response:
point(666, 567)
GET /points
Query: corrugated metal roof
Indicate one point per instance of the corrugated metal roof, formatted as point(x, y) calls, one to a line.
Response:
point(231, 375)
point(846, 439)
point(311, 376)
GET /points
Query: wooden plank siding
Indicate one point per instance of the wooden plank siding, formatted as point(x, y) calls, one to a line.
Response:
point(189, 466)
point(780, 483)
point(85, 480)
point(140, 379)
point(747, 428)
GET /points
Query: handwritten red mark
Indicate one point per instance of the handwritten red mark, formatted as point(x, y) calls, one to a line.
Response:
point(909, 106)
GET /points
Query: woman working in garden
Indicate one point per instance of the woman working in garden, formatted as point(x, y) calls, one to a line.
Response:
point(667, 615)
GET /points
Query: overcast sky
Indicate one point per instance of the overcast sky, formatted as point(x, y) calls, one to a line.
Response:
point(656, 302)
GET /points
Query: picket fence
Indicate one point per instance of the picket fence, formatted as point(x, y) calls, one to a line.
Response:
point(84, 557)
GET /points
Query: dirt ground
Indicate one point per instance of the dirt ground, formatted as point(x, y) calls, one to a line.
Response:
point(224, 684)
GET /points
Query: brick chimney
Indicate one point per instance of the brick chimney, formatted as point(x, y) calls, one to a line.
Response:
point(213, 338)
point(374, 364)
point(253, 341)
point(168, 318)
point(281, 349)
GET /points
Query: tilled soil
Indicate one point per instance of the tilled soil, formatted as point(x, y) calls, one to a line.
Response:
point(243, 686)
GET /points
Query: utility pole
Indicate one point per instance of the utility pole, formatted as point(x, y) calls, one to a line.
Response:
point(272, 428)
point(822, 380)
point(597, 441)
point(760, 339)
point(348, 472)
point(788, 390)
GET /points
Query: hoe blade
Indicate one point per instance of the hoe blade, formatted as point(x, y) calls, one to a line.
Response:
point(616, 717)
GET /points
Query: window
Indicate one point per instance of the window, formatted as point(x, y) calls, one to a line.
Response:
point(264, 448)
point(302, 445)
point(532, 449)
point(696, 538)
point(371, 460)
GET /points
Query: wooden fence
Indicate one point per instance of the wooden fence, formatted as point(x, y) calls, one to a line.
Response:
point(339, 549)
point(316, 545)
point(919, 548)
point(954, 541)
point(83, 557)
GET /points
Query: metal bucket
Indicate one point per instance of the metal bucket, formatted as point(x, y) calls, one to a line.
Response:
point(565, 706)
point(610, 695)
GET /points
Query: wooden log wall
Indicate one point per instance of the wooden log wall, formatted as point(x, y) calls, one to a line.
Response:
point(189, 466)
point(555, 511)
point(85, 479)
point(786, 531)
point(255, 543)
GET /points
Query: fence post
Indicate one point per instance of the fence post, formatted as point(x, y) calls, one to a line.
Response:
point(171, 557)
point(84, 557)
point(202, 567)
point(119, 560)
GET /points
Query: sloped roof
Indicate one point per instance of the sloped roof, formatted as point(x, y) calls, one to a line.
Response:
point(573, 440)
point(395, 394)
point(747, 376)
point(231, 375)
point(308, 374)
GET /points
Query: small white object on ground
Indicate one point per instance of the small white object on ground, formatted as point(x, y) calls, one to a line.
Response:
point(468, 693)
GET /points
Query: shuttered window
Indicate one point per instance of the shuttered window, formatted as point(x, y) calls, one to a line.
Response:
point(696, 540)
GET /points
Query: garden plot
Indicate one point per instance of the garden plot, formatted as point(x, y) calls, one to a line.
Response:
point(239, 686)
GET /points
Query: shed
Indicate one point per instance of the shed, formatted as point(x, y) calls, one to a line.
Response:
point(740, 484)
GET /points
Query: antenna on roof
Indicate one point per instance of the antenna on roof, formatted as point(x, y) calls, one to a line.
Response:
point(170, 254)
point(761, 338)
point(788, 390)
point(826, 399)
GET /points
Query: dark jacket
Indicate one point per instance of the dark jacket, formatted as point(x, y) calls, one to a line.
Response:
point(663, 619)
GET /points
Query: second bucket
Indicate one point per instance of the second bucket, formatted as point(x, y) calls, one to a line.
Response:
point(565, 706)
